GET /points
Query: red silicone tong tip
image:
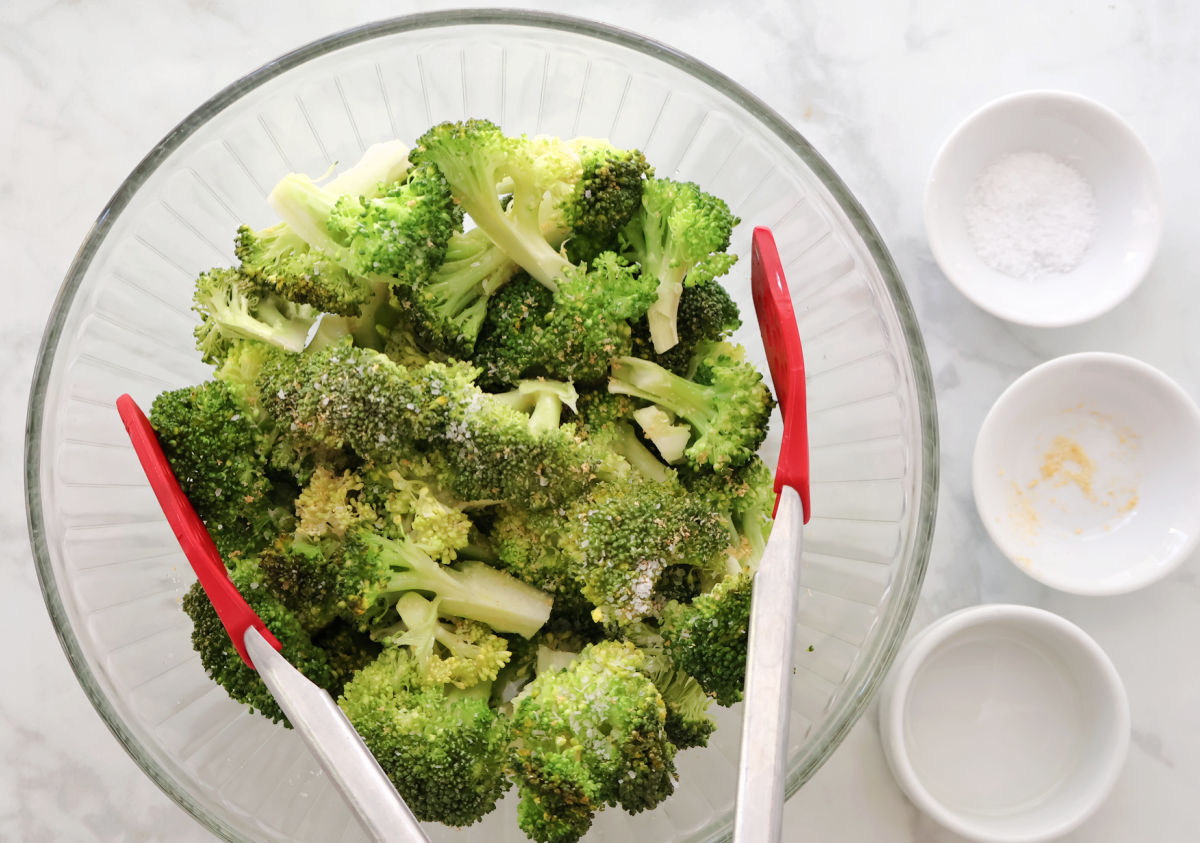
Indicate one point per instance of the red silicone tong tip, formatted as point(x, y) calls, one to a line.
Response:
point(785, 357)
point(193, 536)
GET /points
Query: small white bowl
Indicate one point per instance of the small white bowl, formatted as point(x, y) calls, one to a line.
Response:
point(1097, 143)
point(1006, 724)
point(1086, 473)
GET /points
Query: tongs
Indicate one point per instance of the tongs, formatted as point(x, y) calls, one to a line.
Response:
point(768, 691)
point(313, 713)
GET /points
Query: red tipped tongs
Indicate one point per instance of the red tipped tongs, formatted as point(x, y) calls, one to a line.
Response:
point(761, 774)
point(313, 713)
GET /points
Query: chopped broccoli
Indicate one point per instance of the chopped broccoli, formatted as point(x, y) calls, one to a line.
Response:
point(330, 504)
point(706, 314)
point(679, 238)
point(448, 308)
point(444, 748)
point(232, 306)
point(726, 402)
point(476, 157)
point(624, 534)
point(401, 233)
point(587, 736)
point(707, 637)
point(478, 451)
point(574, 334)
point(220, 658)
point(461, 655)
point(220, 458)
point(378, 570)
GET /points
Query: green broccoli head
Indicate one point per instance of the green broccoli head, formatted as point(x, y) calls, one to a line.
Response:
point(461, 653)
point(281, 261)
point(527, 547)
point(706, 314)
point(221, 660)
point(444, 749)
point(234, 306)
point(376, 572)
point(476, 158)
point(220, 458)
point(572, 335)
point(679, 238)
point(586, 736)
point(509, 345)
point(707, 638)
point(624, 534)
point(448, 309)
point(747, 494)
point(725, 401)
point(606, 197)
point(401, 233)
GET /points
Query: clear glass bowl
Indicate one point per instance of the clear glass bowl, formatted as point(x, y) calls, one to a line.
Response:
point(110, 569)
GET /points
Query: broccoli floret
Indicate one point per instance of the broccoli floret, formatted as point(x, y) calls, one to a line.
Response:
point(409, 503)
point(343, 396)
point(279, 260)
point(706, 314)
point(604, 418)
point(331, 504)
point(461, 654)
point(377, 571)
point(444, 749)
point(447, 310)
point(487, 450)
point(401, 233)
point(348, 648)
point(220, 458)
point(586, 736)
point(605, 198)
point(220, 658)
point(726, 402)
point(509, 343)
point(574, 335)
point(688, 722)
point(304, 576)
point(679, 238)
point(748, 494)
point(624, 534)
point(527, 547)
point(707, 637)
point(476, 157)
point(495, 452)
point(233, 306)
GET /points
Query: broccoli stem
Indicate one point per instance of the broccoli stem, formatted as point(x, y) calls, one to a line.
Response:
point(473, 590)
point(382, 163)
point(651, 382)
point(639, 456)
point(305, 207)
point(662, 317)
point(533, 253)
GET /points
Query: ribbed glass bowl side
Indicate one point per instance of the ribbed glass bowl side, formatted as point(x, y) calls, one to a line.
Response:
point(110, 570)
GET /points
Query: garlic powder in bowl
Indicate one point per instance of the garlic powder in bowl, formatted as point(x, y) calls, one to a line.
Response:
point(1085, 475)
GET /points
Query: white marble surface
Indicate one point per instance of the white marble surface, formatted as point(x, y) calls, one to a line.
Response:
point(88, 87)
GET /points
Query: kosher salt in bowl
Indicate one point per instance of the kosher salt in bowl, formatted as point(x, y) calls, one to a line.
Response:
point(1099, 146)
point(1085, 476)
point(111, 571)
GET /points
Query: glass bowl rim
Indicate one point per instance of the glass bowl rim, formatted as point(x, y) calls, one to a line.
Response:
point(854, 698)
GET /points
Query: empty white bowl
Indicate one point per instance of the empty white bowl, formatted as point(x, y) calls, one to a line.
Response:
point(1101, 147)
point(1006, 724)
point(1087, 473)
